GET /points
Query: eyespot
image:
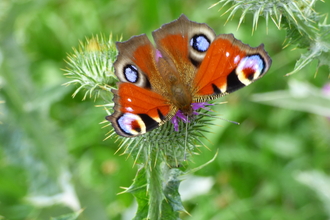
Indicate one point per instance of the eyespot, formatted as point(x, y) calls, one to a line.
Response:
point(131, 73)
point(200, 43)
point(131, 124)
point(127, 71)
point(200, 40)
point(250, 68)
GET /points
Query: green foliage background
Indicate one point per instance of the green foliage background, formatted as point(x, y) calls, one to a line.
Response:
point(275, 165)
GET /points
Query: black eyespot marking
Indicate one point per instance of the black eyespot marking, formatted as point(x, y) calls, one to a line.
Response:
point(250, 76)
point(149, 122)
point(161, 116)
point(200, 43)
point(131, 73)
point(216, 90)
point(147, 84)
point(195, 62)
point(233, 83)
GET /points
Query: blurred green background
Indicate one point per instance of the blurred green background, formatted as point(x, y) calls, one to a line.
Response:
point(53, 159)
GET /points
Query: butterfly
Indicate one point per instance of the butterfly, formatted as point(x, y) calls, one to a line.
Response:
point(189, 64)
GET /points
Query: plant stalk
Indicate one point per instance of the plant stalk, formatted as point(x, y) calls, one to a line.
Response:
point(155, 185)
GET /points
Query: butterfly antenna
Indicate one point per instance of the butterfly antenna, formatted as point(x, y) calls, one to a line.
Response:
point(212, 116)
point(234, 122)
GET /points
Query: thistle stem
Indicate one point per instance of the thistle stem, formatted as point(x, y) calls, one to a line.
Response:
point(154, 172)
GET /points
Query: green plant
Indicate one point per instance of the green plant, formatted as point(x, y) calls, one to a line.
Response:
point(160, 153)
point(53, 159)
point(305, 27)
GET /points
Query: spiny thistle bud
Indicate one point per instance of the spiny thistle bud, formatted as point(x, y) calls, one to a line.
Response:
point(305, 27)
point(90, 66)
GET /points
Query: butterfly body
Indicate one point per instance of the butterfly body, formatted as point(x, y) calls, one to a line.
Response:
point(189, 64)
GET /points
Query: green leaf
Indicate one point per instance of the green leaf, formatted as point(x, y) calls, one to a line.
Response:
point(139, 191)
point(173, 204)
point(301, 96)
point(319, 182)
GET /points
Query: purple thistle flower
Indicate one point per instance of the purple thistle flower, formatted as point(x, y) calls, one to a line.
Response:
point(184, 118)
point(326, 89)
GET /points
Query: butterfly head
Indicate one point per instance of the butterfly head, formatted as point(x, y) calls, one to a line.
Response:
point(187, 110)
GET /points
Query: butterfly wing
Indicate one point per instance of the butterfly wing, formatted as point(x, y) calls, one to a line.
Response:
point(137, 110)
point(139, 107)
point(174, 41)
point(210, 66)
point(227, 66)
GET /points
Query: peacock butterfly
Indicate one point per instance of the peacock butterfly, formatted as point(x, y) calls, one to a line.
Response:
point(188, 66)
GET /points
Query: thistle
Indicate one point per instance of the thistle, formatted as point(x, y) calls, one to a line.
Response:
point(90, 66)
point(305, 27)
point(161, 154)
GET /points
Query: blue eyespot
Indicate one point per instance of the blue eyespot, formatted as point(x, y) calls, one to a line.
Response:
point(200, 43)
point(131, 73)
point(130, 123)
point(251, 66)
